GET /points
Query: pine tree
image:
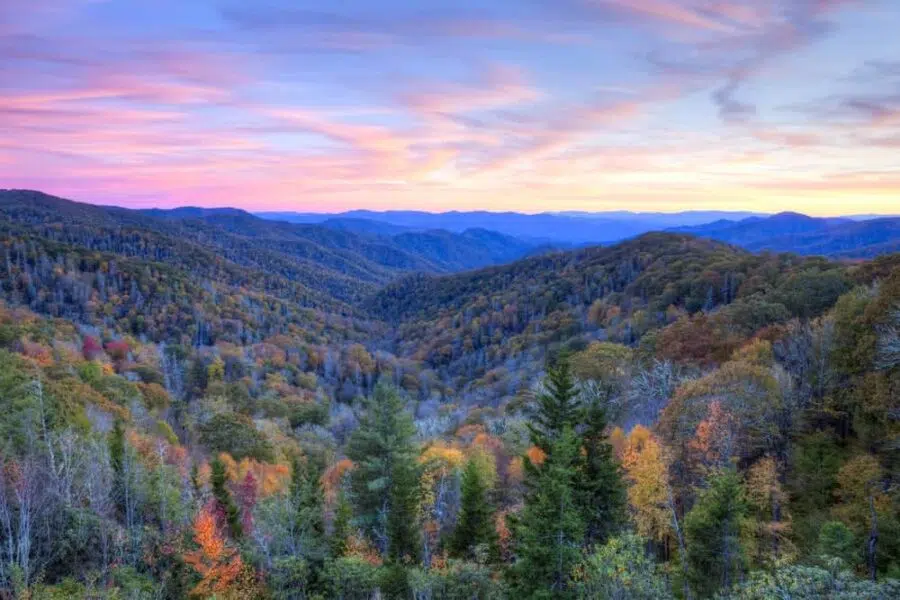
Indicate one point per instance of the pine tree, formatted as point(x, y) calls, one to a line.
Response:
point(224, 500)
point(549, 532)
point(308, 498)
point(557, 406)
point(385, 483)
point(340, 526)
point(309, 502)
point(601, 491)
point(574, 497)
point(475, 528)
point(598, 480)
point(712, 530)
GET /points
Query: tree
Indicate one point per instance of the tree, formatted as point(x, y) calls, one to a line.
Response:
point(385, 482)
point(712, 531)
point(237, 435)
point(836, 540)
point(340, 525)
point(222, 572)
point(549, 532)
point(601, 492)
point(475, 531)
point(811, 583)
point(441, 465)
point(224, 502)
point(557, 406)
point(307, 495)
point(869, 510)
point(648, 494)
point(767, 500)
point(621, 569)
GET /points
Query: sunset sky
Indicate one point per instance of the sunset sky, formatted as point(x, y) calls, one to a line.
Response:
point(530, 105)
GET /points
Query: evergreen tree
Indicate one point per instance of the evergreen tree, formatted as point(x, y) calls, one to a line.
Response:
point(340, 527)
point(225, 502)
point(308, 499)
point(549, 532)
point(601, 491)
point(712, 530)
point(557, 406)
point(475, 527)
point(385, 482)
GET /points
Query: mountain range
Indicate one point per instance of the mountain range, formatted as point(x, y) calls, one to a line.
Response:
point(157, 366)
point(840, 237)
point(565, 229)
point(854, 236)
point(342, 261)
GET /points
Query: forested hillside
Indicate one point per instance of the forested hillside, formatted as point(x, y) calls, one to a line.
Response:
point(202, 404)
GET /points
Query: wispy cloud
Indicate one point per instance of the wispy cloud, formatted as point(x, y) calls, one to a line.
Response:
point(532, 105)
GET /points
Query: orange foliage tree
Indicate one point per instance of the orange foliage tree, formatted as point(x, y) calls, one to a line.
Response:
point(219, 565)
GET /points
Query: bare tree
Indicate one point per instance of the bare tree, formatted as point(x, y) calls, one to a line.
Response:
point(888, 345)
point(23, 499)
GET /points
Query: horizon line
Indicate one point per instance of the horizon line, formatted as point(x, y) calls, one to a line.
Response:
point(571, 213)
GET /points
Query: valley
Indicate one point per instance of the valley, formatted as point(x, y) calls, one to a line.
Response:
point(351, 408)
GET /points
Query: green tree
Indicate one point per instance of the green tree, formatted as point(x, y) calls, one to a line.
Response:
point(557, 406)
point(811, 583)
point(237, 435)
point(226, 504)
point(836, 540)
point(309, 501)
point(475, 531)
point(549, 532)
point(622, 569)
point(712, 531)
point(601, 491)
point(341, 525)
point(116, 445)
point(385, 483)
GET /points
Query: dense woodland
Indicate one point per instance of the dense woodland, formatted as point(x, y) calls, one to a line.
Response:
point(207, 405)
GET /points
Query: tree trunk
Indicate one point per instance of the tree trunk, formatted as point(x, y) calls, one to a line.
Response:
point(873, 538)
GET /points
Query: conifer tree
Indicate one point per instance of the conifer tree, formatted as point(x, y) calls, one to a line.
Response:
point(309, 502)
point(475, 528)
point(601, 491)
point(549, 532)
point(385, 483)
point(224, 500)
point(557, 406)
point(340, 526)
point(712, 530)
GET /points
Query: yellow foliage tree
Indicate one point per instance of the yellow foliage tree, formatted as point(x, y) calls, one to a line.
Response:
point(648, 495)
point(770, 544)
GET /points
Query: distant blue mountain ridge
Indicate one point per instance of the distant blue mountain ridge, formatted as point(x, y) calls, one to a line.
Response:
point(853, 236)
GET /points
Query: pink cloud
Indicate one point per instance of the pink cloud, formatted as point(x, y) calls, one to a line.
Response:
point(668, 11)
point(796, 139)
point(500, 86)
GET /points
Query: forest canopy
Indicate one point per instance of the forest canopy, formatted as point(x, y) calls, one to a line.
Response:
point(666, 417)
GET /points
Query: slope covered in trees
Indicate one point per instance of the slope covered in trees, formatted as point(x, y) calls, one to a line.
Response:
point(668, 417)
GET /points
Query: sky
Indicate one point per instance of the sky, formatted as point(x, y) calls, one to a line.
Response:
point(526, 105)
